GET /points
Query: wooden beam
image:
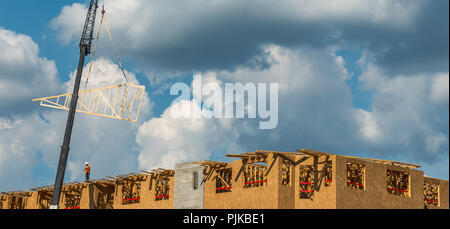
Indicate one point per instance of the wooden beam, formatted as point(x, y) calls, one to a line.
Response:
point(395, 163)
point(237, 155)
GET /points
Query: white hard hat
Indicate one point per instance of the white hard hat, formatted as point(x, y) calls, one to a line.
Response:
point(87, 163)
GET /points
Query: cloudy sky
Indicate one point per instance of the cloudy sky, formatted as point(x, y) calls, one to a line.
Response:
point(360, 78)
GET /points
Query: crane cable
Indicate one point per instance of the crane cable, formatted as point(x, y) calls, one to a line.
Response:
point(115, 50)
point(103, 21)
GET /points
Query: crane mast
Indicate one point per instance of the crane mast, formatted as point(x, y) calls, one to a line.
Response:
point(88, 29)
point(85, 49)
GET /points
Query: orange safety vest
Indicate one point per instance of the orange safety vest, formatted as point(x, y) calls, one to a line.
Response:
point(87, 170)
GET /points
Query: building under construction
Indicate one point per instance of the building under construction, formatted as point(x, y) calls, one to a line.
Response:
point(304, 179)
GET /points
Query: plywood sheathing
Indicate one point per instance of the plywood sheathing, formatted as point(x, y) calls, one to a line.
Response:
point(375, 194)
point(41, 198)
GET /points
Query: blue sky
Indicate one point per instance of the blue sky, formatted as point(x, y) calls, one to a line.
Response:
point(355, 81)
point(33, 18)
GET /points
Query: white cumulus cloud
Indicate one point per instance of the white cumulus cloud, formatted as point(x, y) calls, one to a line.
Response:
point(24, 75)
point(165, 141)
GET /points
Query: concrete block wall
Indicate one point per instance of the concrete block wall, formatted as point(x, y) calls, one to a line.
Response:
point(185, 195)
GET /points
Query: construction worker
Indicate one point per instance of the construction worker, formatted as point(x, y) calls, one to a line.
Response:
point(87, 170)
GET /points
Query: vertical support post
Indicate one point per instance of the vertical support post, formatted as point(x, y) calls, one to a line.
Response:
point(316, 173)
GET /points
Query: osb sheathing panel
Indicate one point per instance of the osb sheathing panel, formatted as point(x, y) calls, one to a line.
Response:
point(443, 193)
point(325, 197)
point(147, 196)
point(375, 195)
point(286, 193)
point(267, 196)
point(86, 201)
point(94, 191)
point(33, 201)
point(4, 202)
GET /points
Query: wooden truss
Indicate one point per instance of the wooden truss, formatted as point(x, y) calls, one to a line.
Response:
point(102, 182)
point(397, 183)
point(160, 173)
point(385, 162)
point(431, 193)
point(254, 175)
point(328, 173)
point(131, 192)
point(250, 158)
point(211, 166)
point(131, 187)
point(130, 177)
point(72, 195)
point(162, 180)
point(261, 156)
point(306, 183)
point(355, 176)
point(286, 172)
point(312, 177)
point(223, 180)
point(123, 101)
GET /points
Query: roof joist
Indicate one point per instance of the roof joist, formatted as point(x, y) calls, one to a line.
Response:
point(48, 188)
point(130, 177)
point(216, 165)
point(17, 193)
point(160, 173)
point(261, 156)
point(102, 182)
point(250, 158)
